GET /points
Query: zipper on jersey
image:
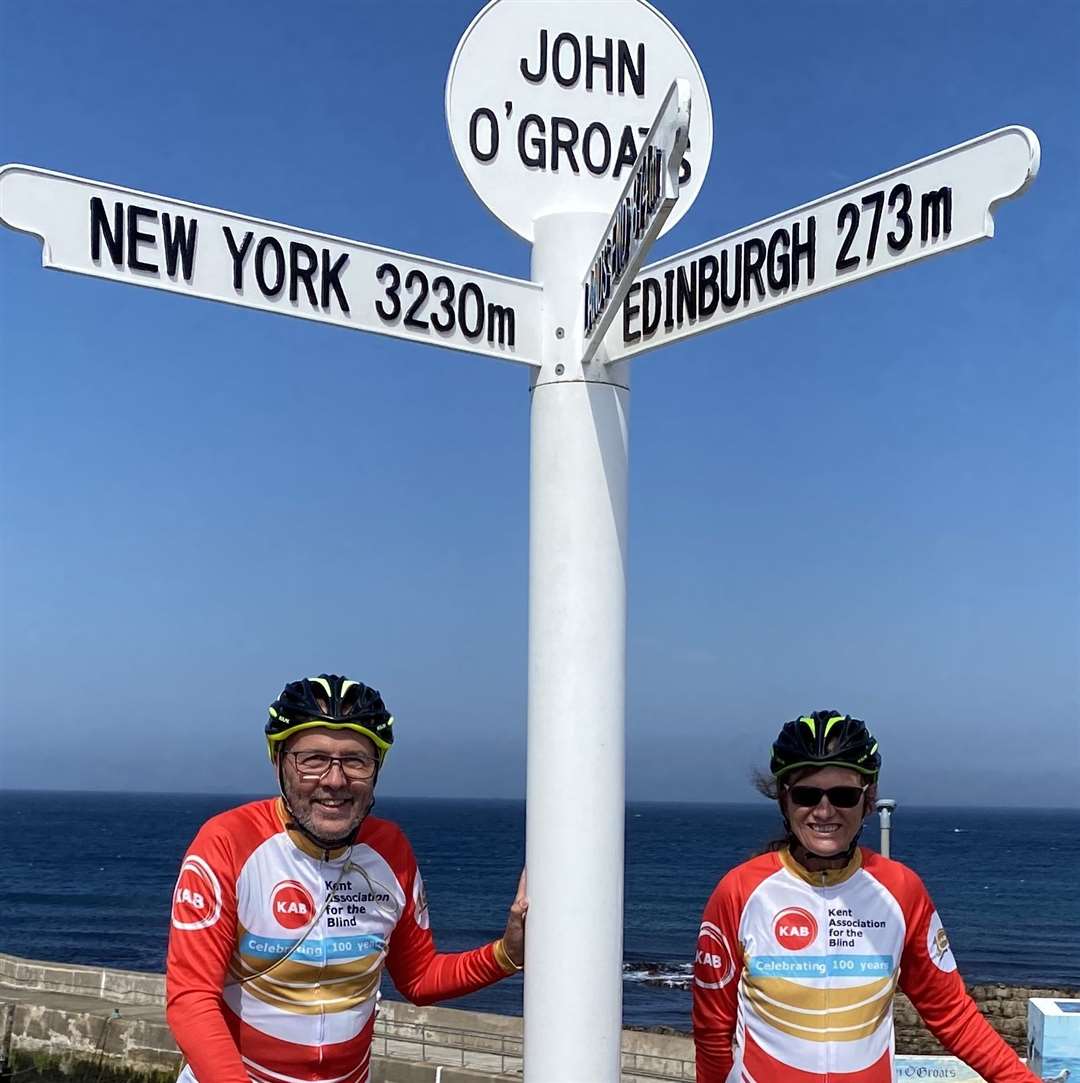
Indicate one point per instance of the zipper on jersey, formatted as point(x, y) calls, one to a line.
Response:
point(322, 933)
point(826, 1046)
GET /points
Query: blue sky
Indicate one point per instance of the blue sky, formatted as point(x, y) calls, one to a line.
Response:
point(870, 501)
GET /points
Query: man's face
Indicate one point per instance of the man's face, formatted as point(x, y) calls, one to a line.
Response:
point(333, 806)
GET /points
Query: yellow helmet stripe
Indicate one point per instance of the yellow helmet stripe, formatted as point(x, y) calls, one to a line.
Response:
point(383, 745)
point(325, 683)
point(829, 725)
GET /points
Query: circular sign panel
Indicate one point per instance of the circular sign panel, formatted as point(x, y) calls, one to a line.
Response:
point(548, 101)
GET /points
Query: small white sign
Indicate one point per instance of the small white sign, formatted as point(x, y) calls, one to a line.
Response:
point(907, 1067)
point(651, 191)
point(934, 205)
point(147, 240)
point(547, 102)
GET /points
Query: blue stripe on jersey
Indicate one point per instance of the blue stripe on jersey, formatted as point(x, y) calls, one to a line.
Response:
point(821, 966)
point(311, 951)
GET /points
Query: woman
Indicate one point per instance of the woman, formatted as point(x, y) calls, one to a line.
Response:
point(801, 948)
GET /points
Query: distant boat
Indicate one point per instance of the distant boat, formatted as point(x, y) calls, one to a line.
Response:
point(1061, 1077)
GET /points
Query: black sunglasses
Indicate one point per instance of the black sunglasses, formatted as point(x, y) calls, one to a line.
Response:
point(839, 796)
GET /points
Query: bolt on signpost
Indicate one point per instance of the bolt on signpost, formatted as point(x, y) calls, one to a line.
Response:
point(585, 126)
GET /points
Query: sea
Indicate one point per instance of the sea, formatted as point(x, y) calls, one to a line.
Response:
point(88, 877)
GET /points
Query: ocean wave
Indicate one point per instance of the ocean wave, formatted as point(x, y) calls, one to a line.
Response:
point(662, 975)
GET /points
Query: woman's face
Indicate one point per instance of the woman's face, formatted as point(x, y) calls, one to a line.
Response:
point(825, 829)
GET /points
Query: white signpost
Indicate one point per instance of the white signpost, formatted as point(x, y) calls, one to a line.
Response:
point(146, 240)
point(558, 111)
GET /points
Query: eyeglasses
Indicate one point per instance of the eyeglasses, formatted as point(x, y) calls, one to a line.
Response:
point(839, 796)
point(316, 765)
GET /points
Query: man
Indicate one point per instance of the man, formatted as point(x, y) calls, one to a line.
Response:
point(287, 909)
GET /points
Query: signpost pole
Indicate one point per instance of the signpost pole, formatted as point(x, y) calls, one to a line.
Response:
point(577, 680)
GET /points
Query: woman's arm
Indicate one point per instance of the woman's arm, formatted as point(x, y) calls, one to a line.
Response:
point(717, 965)
point(929, 976)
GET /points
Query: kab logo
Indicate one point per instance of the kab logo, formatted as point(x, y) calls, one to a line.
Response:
point(291, 904)
point(197, 897)
point(714, 963)
point(794, 928)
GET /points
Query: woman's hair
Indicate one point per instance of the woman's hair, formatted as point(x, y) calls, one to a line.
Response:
point(768, 787)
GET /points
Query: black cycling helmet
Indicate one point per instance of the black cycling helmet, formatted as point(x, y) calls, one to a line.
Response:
point(330, 702)
point(823, 739)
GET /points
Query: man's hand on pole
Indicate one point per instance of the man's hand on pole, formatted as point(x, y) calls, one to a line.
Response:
point(513, 939)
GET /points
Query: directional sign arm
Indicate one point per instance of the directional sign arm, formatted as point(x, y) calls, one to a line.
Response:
point(648, 197)
point(934, 205)
point(120, 234)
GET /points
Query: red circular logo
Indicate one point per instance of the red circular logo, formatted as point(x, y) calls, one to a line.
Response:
point(794, 928)
point(714, 964)
point(292, 904)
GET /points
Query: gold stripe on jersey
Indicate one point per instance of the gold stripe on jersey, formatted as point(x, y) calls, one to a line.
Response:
point(303, 988)
point(314, 998)
point(292, 972)
point(813, 997)
point(822, 1024)
point(827, 1034)
point(823, 1019)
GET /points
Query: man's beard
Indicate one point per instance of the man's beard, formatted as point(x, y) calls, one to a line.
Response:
point(301, 809)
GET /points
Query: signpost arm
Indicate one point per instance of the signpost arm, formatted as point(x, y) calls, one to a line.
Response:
point(647, 198)
point(92, 228)
point(938, 204)
point(577, 681)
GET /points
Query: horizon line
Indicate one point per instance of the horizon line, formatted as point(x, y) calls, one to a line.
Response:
point(762, 804)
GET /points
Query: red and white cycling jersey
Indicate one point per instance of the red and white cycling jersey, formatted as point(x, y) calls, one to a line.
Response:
point(265, 983)
point(795, 974)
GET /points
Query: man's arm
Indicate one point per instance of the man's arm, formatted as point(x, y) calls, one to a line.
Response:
point(200, 945)
point(424, 975)
point(929, 976)
point(717, 966)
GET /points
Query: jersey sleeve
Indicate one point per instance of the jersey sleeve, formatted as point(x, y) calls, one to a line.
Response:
point(717, 965)
point(422, 974)
point(200, 944)
point(928, 975)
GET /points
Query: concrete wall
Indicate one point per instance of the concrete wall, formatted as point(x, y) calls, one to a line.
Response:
point(115, 986)
point(57, 1012)
point(397, 1071)
point(62, 1037)
point(65, 1017)
point(1005, 1006)
point(645, 1055)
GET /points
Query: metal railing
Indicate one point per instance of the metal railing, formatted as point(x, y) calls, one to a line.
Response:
point(459, 1047)
point(455, 1047)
